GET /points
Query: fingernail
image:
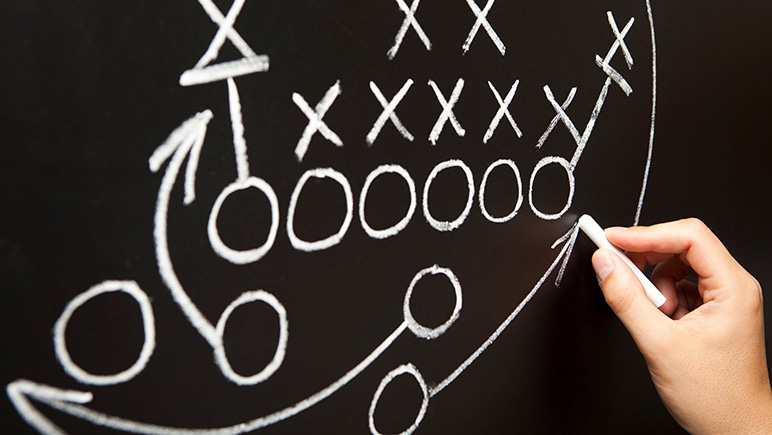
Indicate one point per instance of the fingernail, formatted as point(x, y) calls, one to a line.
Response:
point(616, 229)
point(603, 265)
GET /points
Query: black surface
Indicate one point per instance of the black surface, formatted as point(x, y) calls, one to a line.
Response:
point(88, 90)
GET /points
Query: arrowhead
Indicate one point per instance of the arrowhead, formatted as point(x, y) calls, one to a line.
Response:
point(21, 390)
point(569, 239)
point(188, 138)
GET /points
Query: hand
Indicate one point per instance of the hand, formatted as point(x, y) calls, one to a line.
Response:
point(705, 346)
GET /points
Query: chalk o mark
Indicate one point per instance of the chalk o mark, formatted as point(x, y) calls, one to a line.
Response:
point(399, 226)
point(281, 348)
point(483, 185)
point(445, 225)
point(405, 369)
point(148, 324)
point(419, 330)
point(334, 239)
point(571, 186)
point(251, 255)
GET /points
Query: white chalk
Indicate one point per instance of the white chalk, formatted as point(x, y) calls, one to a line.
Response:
point(596, 234)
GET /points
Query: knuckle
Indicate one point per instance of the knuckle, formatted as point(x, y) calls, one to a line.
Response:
point(696, 226)
point(620, 299)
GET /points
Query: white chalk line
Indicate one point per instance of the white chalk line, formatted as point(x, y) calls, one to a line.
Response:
point(447, 111)
point(237, 125)
point(388, 113)
point(409, 21)
point(503, 110)
point(225, 70)
point(653, 113)
point(53, 397)
point(178, 146)
point(482, 20)
point(315, 123)
point(434, 390)
point(19, 392)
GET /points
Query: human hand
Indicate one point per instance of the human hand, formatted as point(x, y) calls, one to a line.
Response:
point(705, 346)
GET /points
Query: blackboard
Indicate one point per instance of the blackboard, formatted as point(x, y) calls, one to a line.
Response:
point(152, 253)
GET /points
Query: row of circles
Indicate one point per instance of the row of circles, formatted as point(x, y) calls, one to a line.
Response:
point(252, 255)
point(148, 324)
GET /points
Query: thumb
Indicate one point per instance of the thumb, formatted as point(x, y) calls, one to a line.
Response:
point(626, 297)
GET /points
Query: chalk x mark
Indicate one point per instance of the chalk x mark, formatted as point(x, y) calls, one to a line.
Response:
point(556, 119)
point(447, 111)
point(482, 21)
point(315, 123)
point(388, 113)
point(503, 111)
point(409, 21)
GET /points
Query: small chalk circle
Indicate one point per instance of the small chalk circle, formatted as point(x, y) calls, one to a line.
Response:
point(596, 234)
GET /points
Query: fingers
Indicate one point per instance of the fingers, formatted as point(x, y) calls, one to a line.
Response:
point(626, 297)
point(665, 277)
point(688, 238)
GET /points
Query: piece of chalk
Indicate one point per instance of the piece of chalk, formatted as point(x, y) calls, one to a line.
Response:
point(596, 234)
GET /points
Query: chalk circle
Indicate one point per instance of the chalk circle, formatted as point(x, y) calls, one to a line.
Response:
point(334, 239)
point(423, 331)
point(571, 186)
point(404, 369)
point(399, 226)
point(148, 323)
point(481, 197)
point(251, 255)
point(219, 350)
point(452, 225)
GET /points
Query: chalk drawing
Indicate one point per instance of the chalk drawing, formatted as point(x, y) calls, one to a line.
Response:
point(148, 326)
point(281, 347)
point(334, 239)
point(250, 255)
point(653, 113)
point(447, 111)
point(416, 328)
point(203, 72)
point(483, 185)
point(402, 224)
point(449, 225)
point(237, 125)
point(503, 110)
point(315, 123)
point(556, 119)
point(405, 369)
point(560, 161)
point(410, 21)
point(186, 142)
point(388, 113)
point(482, 20)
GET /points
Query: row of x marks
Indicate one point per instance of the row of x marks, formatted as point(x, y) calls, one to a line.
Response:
point(316, 123)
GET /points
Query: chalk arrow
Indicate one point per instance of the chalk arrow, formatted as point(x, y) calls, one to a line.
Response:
point(186, 140)
point(569, 239)
point(21, 391)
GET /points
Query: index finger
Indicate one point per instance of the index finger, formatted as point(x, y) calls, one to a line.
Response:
point(690, 239)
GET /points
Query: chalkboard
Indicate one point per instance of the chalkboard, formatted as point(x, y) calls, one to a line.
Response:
point(356, 216)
